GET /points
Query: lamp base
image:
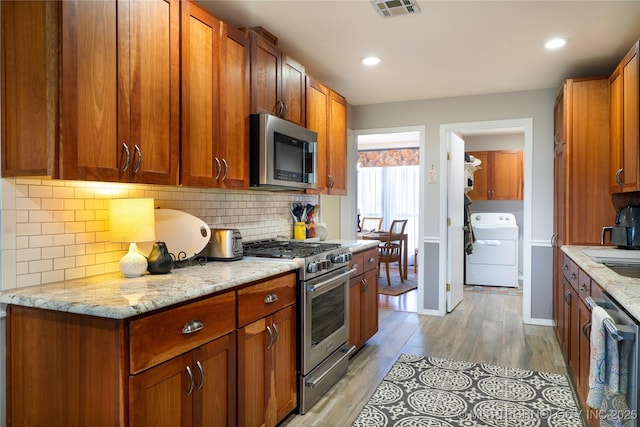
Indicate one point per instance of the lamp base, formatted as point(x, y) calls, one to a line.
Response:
point(133, 264)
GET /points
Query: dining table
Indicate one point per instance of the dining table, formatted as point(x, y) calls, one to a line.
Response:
point(382, 236)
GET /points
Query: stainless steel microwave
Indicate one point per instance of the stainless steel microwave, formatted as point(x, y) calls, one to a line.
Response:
point(283, 154)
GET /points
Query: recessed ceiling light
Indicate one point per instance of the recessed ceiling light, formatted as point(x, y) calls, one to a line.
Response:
point(556, 43)
point(370, 60)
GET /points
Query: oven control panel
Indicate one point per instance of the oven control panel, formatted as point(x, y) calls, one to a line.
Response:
point(330, 262)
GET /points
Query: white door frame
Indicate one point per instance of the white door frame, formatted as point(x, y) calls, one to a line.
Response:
point(526, 124)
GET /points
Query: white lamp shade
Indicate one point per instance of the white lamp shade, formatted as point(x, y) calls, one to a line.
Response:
point(132, 220)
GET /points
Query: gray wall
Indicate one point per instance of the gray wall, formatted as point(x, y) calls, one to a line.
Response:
point(433, 113)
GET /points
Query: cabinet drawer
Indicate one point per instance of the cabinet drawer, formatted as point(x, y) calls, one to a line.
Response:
point(159, 337)
point(265, 298)
point(570, 272)
point(357, 262)
point(584, 284)
point(371, 259)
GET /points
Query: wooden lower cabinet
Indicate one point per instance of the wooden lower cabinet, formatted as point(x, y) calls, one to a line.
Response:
point(363, 298)
point(576, 329)
point(267, 387)
point(195, 389)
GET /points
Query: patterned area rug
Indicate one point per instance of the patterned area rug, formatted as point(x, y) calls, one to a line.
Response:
point(427, 391)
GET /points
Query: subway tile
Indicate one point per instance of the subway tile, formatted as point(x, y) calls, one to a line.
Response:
point(52, 204)
point(74, 227)
point(28, 229)
point(9, 266)
point(63, 193)
point(52, 252)
point(40, 241)
point(64, 216)
point(74, 204)
point(40, 266)
point(40, 216)
point(52, 276)
point(83, 238)
point(40, 191)
point(64, 239)
point(25, 280)
point(85, 260)
point(64, 263)
point(75, 273)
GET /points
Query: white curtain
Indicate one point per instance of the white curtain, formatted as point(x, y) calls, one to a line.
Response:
point(392, 193)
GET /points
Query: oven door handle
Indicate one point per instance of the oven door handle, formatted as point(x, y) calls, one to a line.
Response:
point(312, 382)
point(331, 281)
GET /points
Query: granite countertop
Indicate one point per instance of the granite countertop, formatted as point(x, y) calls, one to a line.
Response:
point(116, 297)
point(625, 290)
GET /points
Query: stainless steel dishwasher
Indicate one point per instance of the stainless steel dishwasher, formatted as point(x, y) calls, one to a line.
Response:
point(621, 410)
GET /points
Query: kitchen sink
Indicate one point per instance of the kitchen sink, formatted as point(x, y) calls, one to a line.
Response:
point(626, 270)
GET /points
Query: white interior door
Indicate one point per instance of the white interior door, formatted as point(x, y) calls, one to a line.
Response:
point(455, 214)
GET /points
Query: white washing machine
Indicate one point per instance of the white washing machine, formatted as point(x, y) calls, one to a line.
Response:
point(494, 260)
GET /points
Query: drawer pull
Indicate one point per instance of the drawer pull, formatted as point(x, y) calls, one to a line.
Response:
point(201, 369)
point(190, 389)
point(583, 287)
point(192, 326)
point(270, 298)
point(565, 267)
point(371, 260)
point(573, 276)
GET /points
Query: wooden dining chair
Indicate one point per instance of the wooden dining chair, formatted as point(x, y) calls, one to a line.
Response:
point(370, 223)
point(391, 250)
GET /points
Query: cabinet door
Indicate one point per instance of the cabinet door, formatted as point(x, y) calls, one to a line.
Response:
point(215, 388)
point(616, 153)
point(506, 175)
point(154, 75)
point(584, 328)
point(355, 310)
point(480, 177)
point(337, 144)
point(369, 319)
point(94, 91)
point(317, 111)
point(293, 88)
point(234, 109)
point(29, 113)
point(631, 122)
point(159, 395)
point(200, 125)
point(253, 374)
point(283, 363)
point(266, 77)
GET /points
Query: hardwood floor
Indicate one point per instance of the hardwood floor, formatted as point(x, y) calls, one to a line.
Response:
point(485, 327)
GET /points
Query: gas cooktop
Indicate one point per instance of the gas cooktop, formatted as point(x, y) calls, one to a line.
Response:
point(273, 248)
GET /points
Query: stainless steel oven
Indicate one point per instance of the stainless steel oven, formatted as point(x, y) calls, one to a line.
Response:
point(323, 312)
point(324, 334)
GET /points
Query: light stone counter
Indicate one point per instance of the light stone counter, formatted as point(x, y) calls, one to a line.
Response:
point(116, 297)
point(625, 290)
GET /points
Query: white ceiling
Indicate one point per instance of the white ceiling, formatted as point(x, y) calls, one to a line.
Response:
point(452, 48)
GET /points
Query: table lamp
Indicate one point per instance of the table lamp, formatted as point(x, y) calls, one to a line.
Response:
point(132, 221)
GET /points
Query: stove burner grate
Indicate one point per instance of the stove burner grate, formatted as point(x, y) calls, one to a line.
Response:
point(285, 249)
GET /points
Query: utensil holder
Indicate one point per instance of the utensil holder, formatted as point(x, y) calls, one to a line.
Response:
point(300, 231)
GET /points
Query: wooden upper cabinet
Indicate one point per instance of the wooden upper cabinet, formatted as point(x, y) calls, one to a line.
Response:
point(234, 108)
point(326, 114)
point(215, 143)
point(117, 81)
point(277, 81)
point(625, 124)
point(317, 112)
point(499, 177)
point(337, 144)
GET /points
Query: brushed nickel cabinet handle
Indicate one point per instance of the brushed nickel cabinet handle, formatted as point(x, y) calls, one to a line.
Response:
point(190, 374)
point(192, 326)
point(219, 168)
point(583, 287)
point(271, 298)
point(270, 332)
point(567, 298)
point(372, 259)
point(276, 332)
point(619, 175)
point(201, 369)
point(127, 153)
point(573, 276)
point(139, 162)
point(226, 169)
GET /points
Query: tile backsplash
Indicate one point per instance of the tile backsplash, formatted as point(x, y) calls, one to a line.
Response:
point(59, 230)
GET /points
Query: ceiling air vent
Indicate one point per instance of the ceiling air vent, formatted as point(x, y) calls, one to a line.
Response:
point(391, 8)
